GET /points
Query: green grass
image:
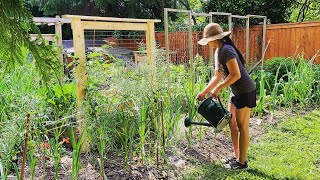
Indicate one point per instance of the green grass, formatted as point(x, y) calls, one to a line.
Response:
point(289, 150)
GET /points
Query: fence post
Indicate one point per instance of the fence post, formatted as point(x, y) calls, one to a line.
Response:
point(58, 32)
point(81, 73)
point(150, 43)
point(191, 49)
point(166, 30)
point(247, 40)
point(264, 31)
point(230, 23)
point(211, 59)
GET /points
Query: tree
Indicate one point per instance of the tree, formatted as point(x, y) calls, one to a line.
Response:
point(144, 9)
point(278, 11)
point(305, 10)
point(15, 42)
point(111, 8)
point(194, 5)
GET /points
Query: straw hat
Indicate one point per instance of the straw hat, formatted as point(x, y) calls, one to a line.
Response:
point(212, 32)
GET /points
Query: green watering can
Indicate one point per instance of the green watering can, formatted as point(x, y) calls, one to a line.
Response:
point(213, 111)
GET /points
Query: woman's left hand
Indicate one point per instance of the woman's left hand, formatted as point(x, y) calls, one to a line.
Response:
point(215, 92)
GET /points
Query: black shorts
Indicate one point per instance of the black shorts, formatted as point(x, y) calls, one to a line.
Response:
point(243, 100)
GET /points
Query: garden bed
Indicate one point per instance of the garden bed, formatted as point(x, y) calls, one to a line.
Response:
point(134, 125)
point(179, 159)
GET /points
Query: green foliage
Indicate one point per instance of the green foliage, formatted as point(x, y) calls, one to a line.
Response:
point(305, 10)
point(76, 146)
point(111, 8)
point(115, 8)
point(277, 11)
point(287, 82)
point(15, 42)
point(10, 137)
point(32, 160)
point(21, 92)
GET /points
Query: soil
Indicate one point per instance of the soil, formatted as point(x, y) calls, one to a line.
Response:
point(212, 148)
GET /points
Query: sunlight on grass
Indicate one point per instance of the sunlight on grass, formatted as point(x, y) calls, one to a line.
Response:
point(289, 150)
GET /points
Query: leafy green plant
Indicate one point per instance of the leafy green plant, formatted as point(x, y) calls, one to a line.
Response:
point(16, 25)
point(32, 159)
point(143, 130)
point(76, 146)
point(261, 101)
point(56, 149)
point(103, 135)
point(286, 82)
point(16, 169)
point(8, 142)
point(191, 102)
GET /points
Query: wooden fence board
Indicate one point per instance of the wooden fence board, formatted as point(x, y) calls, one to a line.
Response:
point(285, 40)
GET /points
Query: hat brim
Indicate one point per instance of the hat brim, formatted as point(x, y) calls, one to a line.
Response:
point(205, 41)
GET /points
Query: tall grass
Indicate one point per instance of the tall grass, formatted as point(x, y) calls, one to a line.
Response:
point(33, 159)
point(76, 146)
point(287, 82)
point(56, 149)
point(143, 129)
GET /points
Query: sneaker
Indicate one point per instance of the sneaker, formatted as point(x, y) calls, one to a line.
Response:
point(228, 161)
point(236, 165)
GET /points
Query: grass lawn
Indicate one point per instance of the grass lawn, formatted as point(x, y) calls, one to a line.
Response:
point(289, 150)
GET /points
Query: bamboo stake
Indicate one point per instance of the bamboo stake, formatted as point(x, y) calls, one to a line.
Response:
point(25, 148)
point(166, 30)
point(157, 147)
point(261, 60)
point(211, 59)
point(191, 49)
point(162, 123)
point(264, 31)
point(44, 157)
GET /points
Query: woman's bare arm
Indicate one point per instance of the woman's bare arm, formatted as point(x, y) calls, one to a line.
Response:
point(234, 74)
point(213, 83)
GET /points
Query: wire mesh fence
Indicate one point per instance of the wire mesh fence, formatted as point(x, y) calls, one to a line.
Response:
point(127, 46)
point(179, 36)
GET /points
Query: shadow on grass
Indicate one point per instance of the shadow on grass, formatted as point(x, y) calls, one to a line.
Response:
point(217, 171)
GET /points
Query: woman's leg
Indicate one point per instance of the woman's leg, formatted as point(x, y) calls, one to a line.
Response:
point(234, 130)
point(242, 118)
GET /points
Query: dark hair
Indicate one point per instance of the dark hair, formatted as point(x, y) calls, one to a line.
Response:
point(227, 40)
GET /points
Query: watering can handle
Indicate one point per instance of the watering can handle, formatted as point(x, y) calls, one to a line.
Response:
point(221, 105)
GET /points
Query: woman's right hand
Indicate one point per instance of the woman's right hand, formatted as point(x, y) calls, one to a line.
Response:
point(201, 96)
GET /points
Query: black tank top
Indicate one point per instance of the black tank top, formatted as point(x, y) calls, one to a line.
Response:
point(243, 85)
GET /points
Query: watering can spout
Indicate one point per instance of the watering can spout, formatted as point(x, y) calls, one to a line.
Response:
point(188, 122)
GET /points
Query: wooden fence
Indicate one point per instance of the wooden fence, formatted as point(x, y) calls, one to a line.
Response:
point(294, 38)
point(285, 40)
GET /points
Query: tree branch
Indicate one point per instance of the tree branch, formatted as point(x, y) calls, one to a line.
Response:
point(186, 4)
point(304, 8)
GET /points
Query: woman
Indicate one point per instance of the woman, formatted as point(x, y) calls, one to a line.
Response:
point(229, 66)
